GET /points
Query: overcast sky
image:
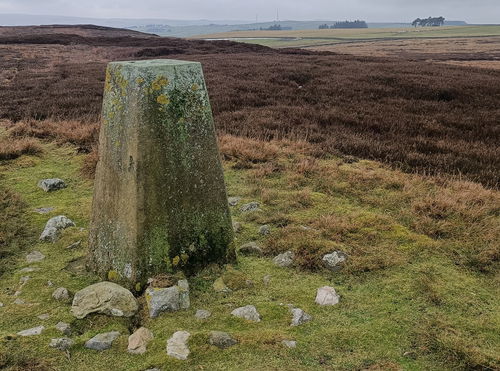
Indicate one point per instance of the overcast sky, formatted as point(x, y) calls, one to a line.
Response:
point(472, 11)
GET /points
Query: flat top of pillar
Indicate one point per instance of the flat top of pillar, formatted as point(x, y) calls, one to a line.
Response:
point(153, 63)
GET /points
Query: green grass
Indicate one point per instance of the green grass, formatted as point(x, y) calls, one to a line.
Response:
point(304, 38)
point(409, 300)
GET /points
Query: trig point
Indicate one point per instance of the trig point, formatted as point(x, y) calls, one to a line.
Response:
point(160, 201)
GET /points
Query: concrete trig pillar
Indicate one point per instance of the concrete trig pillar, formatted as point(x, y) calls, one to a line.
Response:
point(160, 201)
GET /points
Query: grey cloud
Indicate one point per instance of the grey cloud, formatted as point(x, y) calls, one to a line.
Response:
point(473, 11)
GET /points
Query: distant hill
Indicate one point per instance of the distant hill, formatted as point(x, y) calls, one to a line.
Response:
point(86, 30)
point(181, 28)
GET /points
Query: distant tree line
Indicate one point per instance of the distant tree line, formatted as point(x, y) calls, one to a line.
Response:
point(431, 21)
point(345, 24)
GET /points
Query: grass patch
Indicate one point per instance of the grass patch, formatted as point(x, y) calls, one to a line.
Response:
point(410, 298)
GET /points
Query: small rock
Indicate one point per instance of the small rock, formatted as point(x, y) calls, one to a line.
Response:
point(17, 293)
point(177, 345)
point(61, 343)
point(106, 298)
point(326, 295)
point(249, 283)
point(266, 279)
point(284, 260)
point(221, 339)
point(248, 312)
point(44, 316)
point(23, 280)
point(299, 317)
point(74, 245)
point(64, 327)
point(102, 341)
point(233, 201)
point(50, 185)
point(61, 294)
point(34, 257)
point(29, 269)
point(289, 343)
point(167, 299)
point(50, 284)
point(32, 331)
point(264, 230)
point(153, 369)
point(250, 248)
point(53, 226)
point(138, 341)
point(252, 206)
point(335, 260)
point(44, 210)
point(1, 305)
point(19, 301)
point(220, 286)
point(237, 227)
point(202, 314)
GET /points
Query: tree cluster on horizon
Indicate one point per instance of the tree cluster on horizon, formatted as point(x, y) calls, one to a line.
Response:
point(431, 21)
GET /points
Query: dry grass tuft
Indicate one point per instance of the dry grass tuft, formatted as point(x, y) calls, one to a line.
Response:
point(13, 148)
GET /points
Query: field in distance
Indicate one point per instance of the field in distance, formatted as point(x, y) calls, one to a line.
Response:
point(306, 38)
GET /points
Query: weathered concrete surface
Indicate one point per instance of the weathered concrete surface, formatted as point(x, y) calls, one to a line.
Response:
point(160, 202)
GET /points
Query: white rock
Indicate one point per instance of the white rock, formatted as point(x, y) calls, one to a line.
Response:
point(299, 317)
point(168, 299)
point(64, 327)
point(35, 257)
point(335, 260)
point(19, 301)
point(289, 343)
point(32, 331)
point(248, 312)
point(53, 226)
point(1, 305)
point(29, 269)
point(61, 343)
point(105, 298)
point(44, 316)
point(284, 260)
point(177, 345)
point(61, 294)
point(138, 341)
point(326, 295)
point(50, 185)
point(102, 341)
point(252, 206)
point(233, 201)
point(264, 230)
point(250, 248)
point(202, 314)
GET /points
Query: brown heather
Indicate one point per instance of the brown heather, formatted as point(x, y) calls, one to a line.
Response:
point(418, 116)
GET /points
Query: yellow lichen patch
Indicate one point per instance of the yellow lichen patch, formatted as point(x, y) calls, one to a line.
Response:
point(159, 83)
point(113, 275)
point(175, 261)
point(163, 99)
point(139, 80)
point(138, 286)
point(195, 87)
point(184, 258)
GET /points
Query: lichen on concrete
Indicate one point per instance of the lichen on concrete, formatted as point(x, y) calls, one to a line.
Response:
point(159, 190)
